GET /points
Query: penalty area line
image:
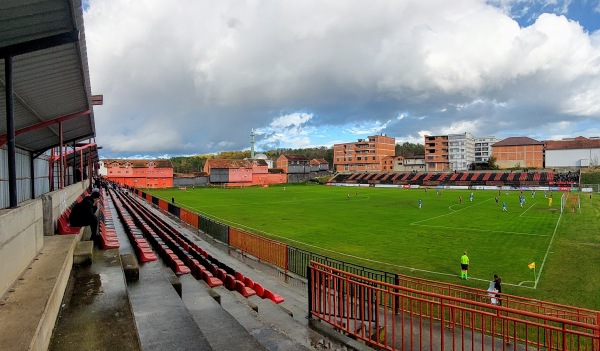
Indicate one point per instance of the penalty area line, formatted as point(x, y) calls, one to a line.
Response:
point(453, 211)
point(476, 229)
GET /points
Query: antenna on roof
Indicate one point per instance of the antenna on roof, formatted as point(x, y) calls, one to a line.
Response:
point(252, 143)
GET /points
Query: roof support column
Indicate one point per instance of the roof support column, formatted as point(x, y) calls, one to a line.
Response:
point(61, 164)
point(32, 176)
point(10, 132)
point(90, 171)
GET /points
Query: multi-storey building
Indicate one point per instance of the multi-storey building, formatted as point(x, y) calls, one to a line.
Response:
point(404, 164)
point(138, 173)
point(461, 151)
point(436, 153)
point(519, 152)
point(365, 155)
point(483, 148)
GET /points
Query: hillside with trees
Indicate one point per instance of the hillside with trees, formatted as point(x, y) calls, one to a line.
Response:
point(195, 164)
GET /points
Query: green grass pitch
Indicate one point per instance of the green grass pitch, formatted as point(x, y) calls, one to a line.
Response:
point(384, 228)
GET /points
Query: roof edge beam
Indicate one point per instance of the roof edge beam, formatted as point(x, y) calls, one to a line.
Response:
point(39, 152)
point(3, 137)
point(71, 36)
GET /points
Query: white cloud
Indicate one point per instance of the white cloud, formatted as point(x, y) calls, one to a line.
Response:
point(195, 76)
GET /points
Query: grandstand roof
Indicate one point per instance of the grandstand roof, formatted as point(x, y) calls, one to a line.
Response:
point(516, 141)
point(569, 144)
point(46, 41)
point(226, 163)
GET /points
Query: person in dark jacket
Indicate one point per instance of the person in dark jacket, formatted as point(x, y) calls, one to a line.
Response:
point(498, 288)
point(84, 214)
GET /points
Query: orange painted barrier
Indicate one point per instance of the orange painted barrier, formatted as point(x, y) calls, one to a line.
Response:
point(163, 205)
point(264, 249)
point(189, 217)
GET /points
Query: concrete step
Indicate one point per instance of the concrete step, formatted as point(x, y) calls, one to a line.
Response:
point(222, 330)
point(248, 313)
point(162, 319)
point(96, 313)
point(29, 311)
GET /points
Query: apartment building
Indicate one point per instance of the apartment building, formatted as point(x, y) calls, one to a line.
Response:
point(138, 173)
point(461, 151)
point(483, 148)
point(365, 155)
point(404, 164)
point(436, 153)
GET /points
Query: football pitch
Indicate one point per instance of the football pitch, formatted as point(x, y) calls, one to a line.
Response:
point(384, 228)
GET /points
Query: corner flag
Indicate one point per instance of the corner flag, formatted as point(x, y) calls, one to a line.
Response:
point(531, 265)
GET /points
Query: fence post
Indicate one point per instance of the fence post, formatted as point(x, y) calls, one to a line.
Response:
point(397, 296)
point(310, 292)
point(597, 332)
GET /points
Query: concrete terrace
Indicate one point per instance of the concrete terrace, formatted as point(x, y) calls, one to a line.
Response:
point(62, 302)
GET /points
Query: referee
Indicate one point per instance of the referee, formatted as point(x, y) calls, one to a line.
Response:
point(464, 266)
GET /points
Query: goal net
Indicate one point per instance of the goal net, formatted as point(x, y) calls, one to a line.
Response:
point(570, 203)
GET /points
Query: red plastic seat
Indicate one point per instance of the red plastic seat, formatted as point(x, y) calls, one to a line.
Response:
point(273, 297)
point(243, 289)
point(249, 283)
point(65, 228)
point(260, 291)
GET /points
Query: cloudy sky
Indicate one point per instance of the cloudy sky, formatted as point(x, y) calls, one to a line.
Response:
point(191, 77)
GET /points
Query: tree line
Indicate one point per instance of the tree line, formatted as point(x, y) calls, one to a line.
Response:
point(195, 164)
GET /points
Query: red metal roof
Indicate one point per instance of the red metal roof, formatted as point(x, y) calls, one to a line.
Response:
point(160, 163)
point(295, 157)
point(577, 143)
point(516, 141)
point(226, 163)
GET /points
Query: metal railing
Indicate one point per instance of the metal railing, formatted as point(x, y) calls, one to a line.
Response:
point(394, 317)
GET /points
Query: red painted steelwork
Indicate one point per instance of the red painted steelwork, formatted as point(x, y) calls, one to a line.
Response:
point(394, 317)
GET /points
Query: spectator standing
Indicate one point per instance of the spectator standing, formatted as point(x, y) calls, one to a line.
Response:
point(498, 288)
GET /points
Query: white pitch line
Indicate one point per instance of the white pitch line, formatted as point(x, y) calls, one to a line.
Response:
point(477, 230)
point(537, 279)
point(521, 215)
point(447, 214)
point(362, 258)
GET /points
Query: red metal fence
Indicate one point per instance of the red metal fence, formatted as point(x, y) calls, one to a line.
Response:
point(510, 301)
point(395, 317)
point(264, 249)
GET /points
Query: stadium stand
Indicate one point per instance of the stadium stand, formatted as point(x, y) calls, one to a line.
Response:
point(516, 179)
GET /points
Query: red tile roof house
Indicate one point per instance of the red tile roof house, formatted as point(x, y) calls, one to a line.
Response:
point(319, 164)
point(521, 152)
point(241, 172)
point(296, 167)
point(578, 152)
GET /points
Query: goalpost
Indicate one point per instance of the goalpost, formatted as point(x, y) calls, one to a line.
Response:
point(570, 203)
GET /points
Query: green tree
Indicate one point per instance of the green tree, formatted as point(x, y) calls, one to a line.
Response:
point(407, 149)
